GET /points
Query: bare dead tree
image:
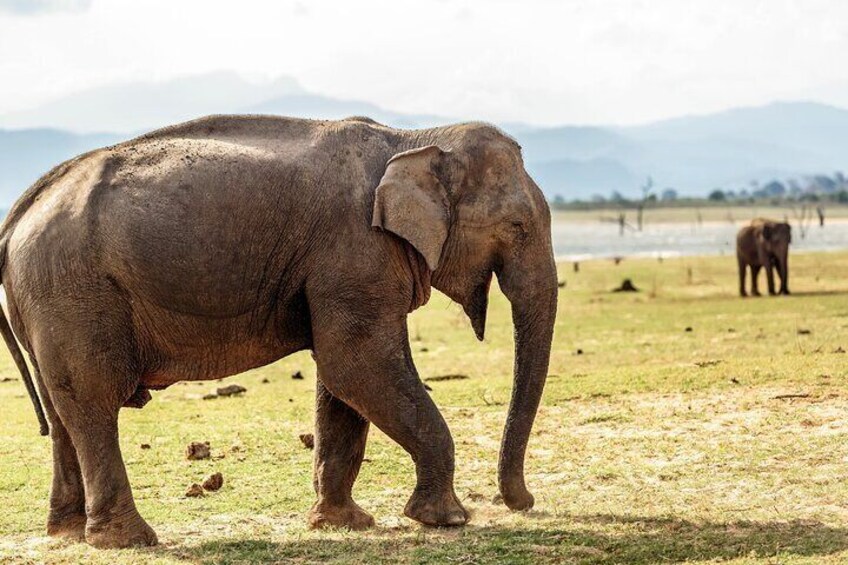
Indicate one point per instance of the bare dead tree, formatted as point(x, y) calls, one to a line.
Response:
point(646, 193)
point(620, 220)
point(803, 217)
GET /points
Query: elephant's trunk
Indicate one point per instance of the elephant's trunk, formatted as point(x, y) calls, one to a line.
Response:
point(531, 288)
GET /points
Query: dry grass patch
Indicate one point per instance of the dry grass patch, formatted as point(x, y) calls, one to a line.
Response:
point(725, 443)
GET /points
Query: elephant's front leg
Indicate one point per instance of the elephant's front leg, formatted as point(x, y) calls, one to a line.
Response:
point(784, 277)
point(340, 436)
point(368, 365)
point(770, 277)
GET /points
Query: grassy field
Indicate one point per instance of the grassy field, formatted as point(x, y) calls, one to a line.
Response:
point(679, 424)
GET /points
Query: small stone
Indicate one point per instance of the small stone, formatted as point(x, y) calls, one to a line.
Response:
point(194, 490)
point(298, 376)
point(213, 482)
point(231, 390)
point(145, 446)
point(579, 352)
point(308, 440)
point(265, 381)
point(210, 396)
point(688, 329)
point(197, 451)
point(475, 496)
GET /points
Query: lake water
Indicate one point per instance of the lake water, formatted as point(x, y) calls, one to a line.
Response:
point(584, 240)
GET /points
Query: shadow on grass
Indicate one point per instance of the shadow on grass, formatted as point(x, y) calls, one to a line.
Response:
point(589, 539)
point(817, 293)
point(726, 295)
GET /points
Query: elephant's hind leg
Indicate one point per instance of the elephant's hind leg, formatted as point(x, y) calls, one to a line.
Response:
point(743, 267)
point(89, 370)
point(67, 495)
point(340, 436)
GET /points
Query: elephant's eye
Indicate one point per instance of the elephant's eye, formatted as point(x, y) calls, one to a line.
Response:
point(518, 230)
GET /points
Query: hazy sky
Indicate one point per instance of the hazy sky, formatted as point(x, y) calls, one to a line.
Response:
point(540, 61)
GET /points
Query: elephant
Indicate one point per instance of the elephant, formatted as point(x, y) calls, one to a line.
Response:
point(764, 243)
point(211, 247)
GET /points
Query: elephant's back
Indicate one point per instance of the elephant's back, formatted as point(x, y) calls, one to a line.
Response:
point(237, 127)
point(177, 220)
point(190, 215)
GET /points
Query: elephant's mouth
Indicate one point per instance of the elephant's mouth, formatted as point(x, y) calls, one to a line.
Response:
point(478, 305)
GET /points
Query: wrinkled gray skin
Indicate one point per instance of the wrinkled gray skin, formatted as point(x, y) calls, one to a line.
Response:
point(764, 243)
point(219, 245)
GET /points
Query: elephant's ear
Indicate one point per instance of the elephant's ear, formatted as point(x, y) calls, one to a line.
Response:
point(412, 203)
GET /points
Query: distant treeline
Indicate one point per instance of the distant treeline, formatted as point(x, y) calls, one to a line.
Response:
point(812, 189)
point(840, 198)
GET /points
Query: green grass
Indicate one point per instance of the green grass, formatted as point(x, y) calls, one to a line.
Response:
point(655, 444)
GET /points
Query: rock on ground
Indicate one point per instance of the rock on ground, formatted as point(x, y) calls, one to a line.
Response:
point(231, 390)
point(213, 482)
point(194, 490)
point(308, 440)
point(197, 450)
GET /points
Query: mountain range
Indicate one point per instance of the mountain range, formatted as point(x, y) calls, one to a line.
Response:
point(692, 154)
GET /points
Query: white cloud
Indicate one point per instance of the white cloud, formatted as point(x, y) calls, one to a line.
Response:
point(620, 61)
point(28, 7)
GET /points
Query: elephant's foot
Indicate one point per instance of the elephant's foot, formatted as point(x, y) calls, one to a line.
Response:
point(441, 509)
point(120, 532)
point(347, 515)
point(68, 526)
point(517, 498)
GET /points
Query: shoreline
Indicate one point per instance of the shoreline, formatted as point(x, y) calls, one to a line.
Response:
point(587, 238)
point(671, 255)
point(737, 215)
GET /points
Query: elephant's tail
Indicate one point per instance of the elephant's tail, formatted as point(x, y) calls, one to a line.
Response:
point(18, 356)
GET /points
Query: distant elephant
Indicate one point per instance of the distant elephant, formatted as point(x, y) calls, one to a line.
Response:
point(215, 246)
point(764, 243)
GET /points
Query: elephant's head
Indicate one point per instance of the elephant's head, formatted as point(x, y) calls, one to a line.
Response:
point(776, 237)
point(464, 200)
